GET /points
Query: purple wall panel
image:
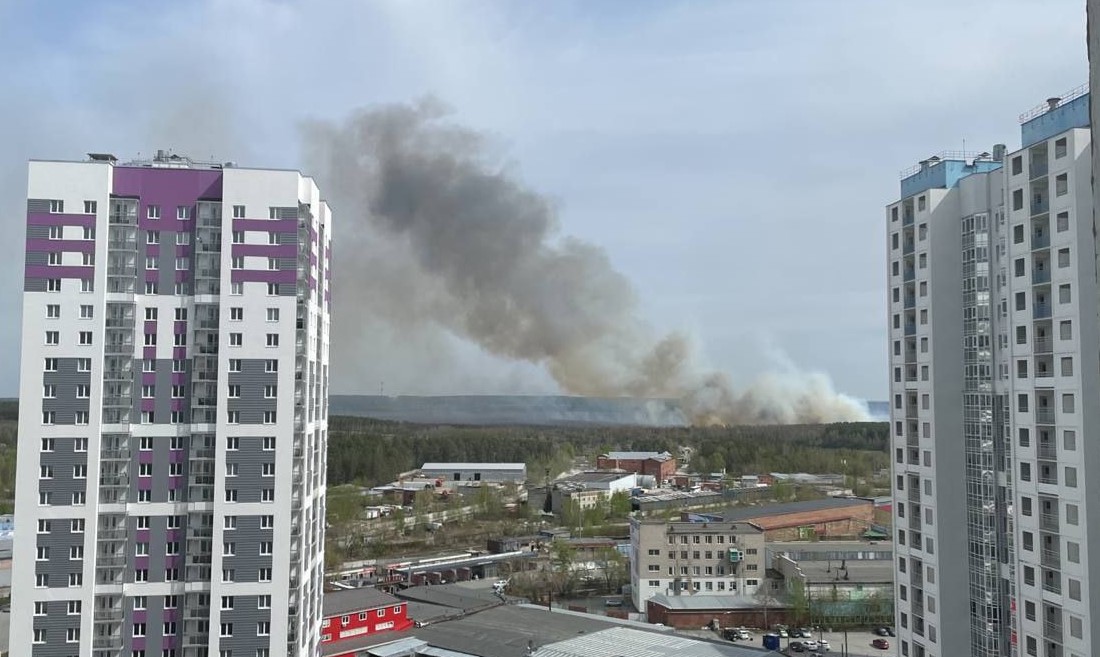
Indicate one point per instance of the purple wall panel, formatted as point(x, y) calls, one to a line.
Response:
point(183, 250)
point(141, 536)
point(148, 378)
point(149, 352)
point(148, 405)
point(179, 353)
point(58, 271)
point(145, 456)
point(266, 276)
point(177, 404)
point(141, 616)
point(152, 275)
point(150, 326)
point(267, 225)
point(178, 378)
point(179, 326)
point(145, 483)
point(182, 275)
point(152, 249)
point(167, 188)
point(43, 245)
point(50, 219)
point(266, 250)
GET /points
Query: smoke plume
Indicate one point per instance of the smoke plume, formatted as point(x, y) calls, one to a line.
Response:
point(435, 230)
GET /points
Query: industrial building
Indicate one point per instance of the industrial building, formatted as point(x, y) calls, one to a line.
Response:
point(585, 490)
point(694, 556)
point(659, 465)
point(472, 474)
point(174, 381)
point(354, 616)
point(828, 518)
point(993, 368)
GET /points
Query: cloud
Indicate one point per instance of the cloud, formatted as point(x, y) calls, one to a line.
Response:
point(733, 158)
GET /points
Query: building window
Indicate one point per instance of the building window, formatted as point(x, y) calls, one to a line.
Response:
point(238, 212)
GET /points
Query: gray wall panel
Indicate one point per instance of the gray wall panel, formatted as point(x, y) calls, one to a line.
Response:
point(56, 622)
point(252, 378)
point(38, 205)
point(66, 378)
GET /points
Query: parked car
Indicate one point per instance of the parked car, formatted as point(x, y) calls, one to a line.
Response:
point(809, 644)
point(823, 645)
point(783, 634)
point(796, 646)
point(881, 644)
point(806, 633)
point(883, 631)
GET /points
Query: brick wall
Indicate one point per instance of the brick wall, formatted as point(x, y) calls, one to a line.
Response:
point(697, 618)
point(831, 523)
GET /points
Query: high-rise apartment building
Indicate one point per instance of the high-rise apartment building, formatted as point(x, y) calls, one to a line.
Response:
point(173, 424)
point(994, 360)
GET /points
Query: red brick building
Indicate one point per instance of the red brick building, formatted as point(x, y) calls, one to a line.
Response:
point(661, 465)
point(351, 615)
point(695, 611)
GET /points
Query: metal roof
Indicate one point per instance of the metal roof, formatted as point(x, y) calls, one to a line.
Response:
point(627, 642)
point(708, 602)
point(338, 603)
point(638, 456)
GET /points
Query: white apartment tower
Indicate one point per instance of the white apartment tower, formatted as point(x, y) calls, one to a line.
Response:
point(173, 424)
point(994, 363)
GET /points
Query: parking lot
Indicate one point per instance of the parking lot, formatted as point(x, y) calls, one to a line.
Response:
point(859, 644)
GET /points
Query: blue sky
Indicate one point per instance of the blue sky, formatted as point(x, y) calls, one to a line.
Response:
point(732, 157)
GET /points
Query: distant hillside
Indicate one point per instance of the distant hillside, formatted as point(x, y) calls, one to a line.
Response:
point(512, 410)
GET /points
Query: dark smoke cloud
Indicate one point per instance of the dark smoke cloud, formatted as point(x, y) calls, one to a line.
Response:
point(434, 230)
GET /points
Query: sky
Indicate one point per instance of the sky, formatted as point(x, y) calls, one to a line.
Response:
point(733, 158)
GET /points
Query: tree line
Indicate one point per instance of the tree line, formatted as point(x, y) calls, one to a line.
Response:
point(370, 452)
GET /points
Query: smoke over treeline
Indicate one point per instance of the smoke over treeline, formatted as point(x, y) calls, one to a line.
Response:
point(434, 231)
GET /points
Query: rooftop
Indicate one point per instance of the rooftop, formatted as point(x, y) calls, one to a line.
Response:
point(455, 596)
point(709, 602)
point(826, 547)
point(629, 642)
point(508, 631)
point(754, 512)
point(474, 466)
point(596, 477)
point(858, 571)
point(638, 456)
point(338, 603)
point(1055, 116)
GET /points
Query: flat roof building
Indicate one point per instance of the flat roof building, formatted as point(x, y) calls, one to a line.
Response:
point(464, 474)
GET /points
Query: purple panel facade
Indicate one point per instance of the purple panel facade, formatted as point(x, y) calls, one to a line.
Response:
point(266, 250)
point(179, 353)
point(56, 219)
point(152, 249)
point(40, 245)
point(266, 276)
point(59, 271)
point(267, 225)
point(168, 188)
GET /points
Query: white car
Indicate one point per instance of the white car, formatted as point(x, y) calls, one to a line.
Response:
point(810, 644)
point(823, 645)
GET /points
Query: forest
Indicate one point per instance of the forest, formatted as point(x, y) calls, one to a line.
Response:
point(370, 452)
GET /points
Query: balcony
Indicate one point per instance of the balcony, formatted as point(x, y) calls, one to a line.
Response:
point(1044, 416)
point(910, 274)
point(1051, 558)
point(1040, 276)
point(910, 328)
point(196, 640)
point(1048, 450)
point(1038, 169)
point(1043, 345)
point(113, 615)
point(1052, 581)
point(910, 301)
point(1039, 207)
point(112, 642)
point(907, 247)
point(1040, 240)
point(1048, 474)
point(112, 348)
point(1053, 630)
point(1048, 522)
point(114, 454)
point(1041, 311)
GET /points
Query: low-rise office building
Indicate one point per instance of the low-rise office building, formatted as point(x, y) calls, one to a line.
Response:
point(694, 556)
point(660, 465)
point(349, 615)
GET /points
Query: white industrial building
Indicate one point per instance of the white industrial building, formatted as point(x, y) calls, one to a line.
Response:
point(467, 474)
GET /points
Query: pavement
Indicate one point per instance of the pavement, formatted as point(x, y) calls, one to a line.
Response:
point(859, 643)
